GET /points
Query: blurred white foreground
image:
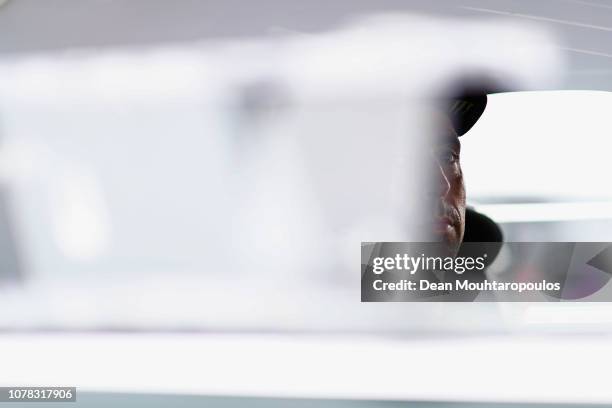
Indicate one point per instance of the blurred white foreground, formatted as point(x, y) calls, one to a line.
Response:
point(228, 185)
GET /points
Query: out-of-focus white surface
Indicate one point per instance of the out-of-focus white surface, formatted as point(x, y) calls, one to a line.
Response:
point(490, 369)
point(228, 185)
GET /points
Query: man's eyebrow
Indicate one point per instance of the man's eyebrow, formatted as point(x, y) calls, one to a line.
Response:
point(453, 141)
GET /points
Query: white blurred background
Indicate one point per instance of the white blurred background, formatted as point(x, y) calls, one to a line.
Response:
point(207, 166)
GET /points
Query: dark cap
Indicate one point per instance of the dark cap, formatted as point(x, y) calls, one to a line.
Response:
point(464, 110)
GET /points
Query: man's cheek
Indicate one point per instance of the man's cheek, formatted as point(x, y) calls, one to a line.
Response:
point(461, 206)
point(461, 187)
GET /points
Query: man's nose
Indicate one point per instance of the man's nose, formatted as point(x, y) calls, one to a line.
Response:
point(440, 183)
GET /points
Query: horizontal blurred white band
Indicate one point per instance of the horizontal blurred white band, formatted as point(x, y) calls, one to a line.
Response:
point(541, 212)
point(529, 369)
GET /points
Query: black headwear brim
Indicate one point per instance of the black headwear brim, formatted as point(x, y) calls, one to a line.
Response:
point(464, 111)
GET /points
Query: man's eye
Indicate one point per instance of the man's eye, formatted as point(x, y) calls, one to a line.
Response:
point(448, 157)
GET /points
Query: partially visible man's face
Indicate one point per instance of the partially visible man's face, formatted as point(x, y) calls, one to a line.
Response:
point(447, 191)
